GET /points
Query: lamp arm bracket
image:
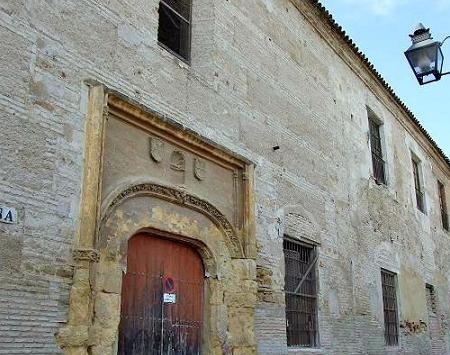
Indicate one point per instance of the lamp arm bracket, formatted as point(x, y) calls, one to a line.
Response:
point(446, 38)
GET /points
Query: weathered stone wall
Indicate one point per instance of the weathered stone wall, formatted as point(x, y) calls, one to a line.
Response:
point(261, 75)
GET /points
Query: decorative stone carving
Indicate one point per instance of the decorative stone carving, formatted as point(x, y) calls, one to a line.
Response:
point(91, 255)
point(156, 149)
point(199, 168)
point(177, 161)
point(184, 199)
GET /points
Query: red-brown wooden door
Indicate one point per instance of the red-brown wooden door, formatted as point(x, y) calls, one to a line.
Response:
point(153, 263)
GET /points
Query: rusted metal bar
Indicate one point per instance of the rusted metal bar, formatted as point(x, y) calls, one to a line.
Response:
point(308, 270)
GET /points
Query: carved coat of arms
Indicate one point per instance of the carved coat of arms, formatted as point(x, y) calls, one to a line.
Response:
point(199, 168)
point(177, 161)
point(156, 149)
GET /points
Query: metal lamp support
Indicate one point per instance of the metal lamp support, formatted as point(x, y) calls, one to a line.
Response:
point(446, 38)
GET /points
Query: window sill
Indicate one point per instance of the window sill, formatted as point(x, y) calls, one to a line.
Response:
point(383, 187)
point(392, 348)
point(422, 212)
point(294, 350)
point(376, 182)
point(182, 61)
point(445, 231)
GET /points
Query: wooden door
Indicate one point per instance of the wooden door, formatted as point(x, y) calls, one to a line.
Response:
point(157, 266)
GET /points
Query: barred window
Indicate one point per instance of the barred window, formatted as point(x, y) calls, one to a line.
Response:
point(174, 31)
point(391, 324)
point(431, 299)
point(443, 206)
point(377, 152)
point(418, 186)
point(301, 294)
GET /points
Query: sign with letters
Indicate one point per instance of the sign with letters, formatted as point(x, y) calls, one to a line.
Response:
point(170, 298)
point(8, 215)
point(169, 285)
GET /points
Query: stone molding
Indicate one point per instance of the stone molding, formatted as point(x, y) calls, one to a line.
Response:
point(184, 199)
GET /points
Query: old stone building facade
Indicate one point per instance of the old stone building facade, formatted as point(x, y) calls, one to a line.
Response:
point(265, 149)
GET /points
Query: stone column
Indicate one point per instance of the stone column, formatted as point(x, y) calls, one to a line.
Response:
point(74, 337)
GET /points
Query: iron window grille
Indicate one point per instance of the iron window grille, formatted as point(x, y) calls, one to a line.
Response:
point(377, 152)
point(431, 299)
point(443, 206)
point(174, 30)
point(301, 294)
point(418, 187)
point(391, 324)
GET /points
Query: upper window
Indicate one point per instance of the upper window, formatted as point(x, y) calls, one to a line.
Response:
point(301, 294)
point(174, 31)
point(377, 151)
point(420, 198)
point(431, 299)
point(389, 284)
point(443, 205)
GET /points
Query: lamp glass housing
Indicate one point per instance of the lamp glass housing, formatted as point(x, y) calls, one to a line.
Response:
point(426, 60)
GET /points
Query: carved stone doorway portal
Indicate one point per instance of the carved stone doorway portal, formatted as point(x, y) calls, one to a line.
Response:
point(147, 180)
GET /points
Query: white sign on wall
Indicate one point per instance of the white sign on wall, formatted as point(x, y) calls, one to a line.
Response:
point(170, 298)
point(8, 215)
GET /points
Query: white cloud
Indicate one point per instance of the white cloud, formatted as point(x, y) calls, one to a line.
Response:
point(384, 7)
point(441, 4)
point(389, 7)
point(377, 7)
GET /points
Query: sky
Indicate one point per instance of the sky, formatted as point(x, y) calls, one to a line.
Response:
point(380, 28)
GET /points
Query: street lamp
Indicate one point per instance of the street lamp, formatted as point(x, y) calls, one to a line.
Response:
point(425, 56)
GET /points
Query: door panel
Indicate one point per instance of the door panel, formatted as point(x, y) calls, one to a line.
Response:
point(152, 262)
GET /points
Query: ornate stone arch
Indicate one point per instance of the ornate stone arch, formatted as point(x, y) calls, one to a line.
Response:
point(181, 198)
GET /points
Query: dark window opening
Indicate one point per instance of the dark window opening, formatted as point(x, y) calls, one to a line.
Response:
point(174, 31)
point(377, 151)
point(301, 294)
point(388, 282)
point(431, 299)
point(443, 206)
point(418, 186)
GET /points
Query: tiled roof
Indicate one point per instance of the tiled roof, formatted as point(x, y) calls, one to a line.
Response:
point(370, 66)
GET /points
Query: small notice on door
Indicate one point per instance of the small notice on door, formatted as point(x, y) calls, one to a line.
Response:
point(170, 298)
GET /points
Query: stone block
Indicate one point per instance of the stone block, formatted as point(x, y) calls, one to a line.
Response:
point(79, 294)
point(244, 350)
point(240, 299)
point(216, 292)
point(100, 336)
point(109, 277)
point(243, 269)
point(76, 351)
point(72, 336)
point(240, 327)
point(107, 309)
